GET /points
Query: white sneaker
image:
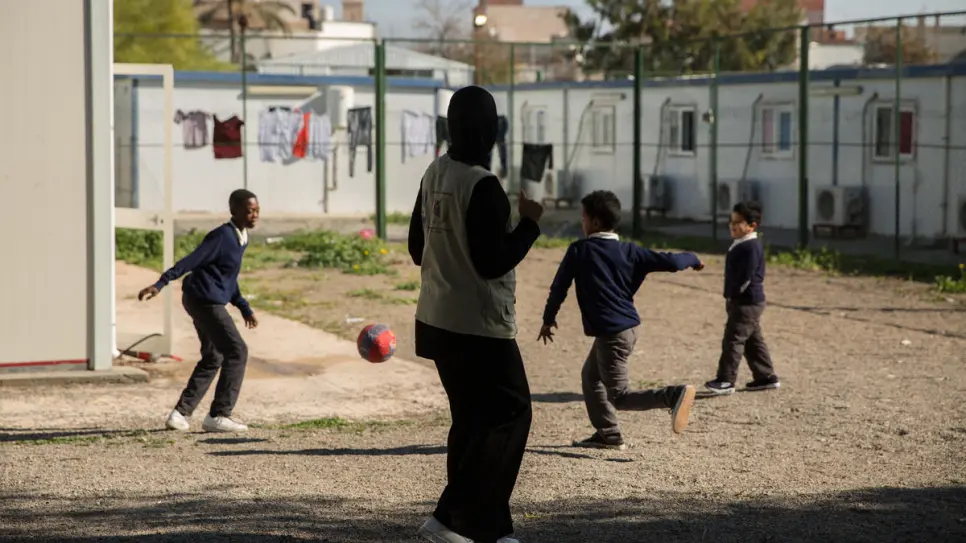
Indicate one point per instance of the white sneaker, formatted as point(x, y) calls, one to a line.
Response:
point(177, 421)
point(433, 530)
point(222, 424)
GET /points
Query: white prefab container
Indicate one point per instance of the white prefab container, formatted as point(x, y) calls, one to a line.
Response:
point(444, 98)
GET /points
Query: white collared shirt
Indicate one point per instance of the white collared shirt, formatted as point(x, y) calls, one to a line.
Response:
point(605, 235)
point(742, 239)
point(241, 234)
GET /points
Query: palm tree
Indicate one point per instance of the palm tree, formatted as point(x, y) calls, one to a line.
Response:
point(243, 14)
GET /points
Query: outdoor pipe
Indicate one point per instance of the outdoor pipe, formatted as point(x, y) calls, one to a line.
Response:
point(660, 136)
point(947, 134)
point(751, 137)
point(865, 135)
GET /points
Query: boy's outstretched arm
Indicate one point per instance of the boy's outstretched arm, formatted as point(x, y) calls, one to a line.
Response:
point(203, 254)
point(558, 289)
point(656, 261)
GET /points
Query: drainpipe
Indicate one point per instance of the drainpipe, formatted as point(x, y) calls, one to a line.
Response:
point(865, 135)
point(947, 134)
point(751, 137)
point(660, 136)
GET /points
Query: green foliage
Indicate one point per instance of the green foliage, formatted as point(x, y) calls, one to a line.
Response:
point(321, 249)
point(822, 260)
point(351, 254)
point(681, 36)
point(948, 284)
point(408, 285)
point(881, 48)
point(141, 18)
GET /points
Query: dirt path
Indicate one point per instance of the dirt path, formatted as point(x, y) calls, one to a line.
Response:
point(864, 442)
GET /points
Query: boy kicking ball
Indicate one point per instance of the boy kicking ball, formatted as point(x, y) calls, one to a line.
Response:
point(213, 283)
point(607, 273)
point(745, 294)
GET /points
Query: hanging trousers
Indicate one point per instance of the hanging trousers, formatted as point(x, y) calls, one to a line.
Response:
point(360, 135)
point(489, 399)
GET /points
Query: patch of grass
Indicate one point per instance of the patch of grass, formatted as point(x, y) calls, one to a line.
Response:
point(342, 425)
point(822, 260)
point(396, 217)
point(79, 439)
point(947, 284)
point(365, 293)
point(546, 242)
point(407, 285)
point(350, 254)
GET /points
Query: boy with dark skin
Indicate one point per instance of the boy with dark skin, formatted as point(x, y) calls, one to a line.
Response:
point(213, 283)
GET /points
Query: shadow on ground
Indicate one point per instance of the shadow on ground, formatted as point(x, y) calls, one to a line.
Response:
point(881, 514)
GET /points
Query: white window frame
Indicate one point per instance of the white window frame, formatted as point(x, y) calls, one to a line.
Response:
point(675, 143)
point(773, 151)
point(603, 134)
point(534, 124)
point(894, 145)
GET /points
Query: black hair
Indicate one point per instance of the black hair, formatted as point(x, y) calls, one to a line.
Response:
point(749, 211)
point(604, 207)
point(239, 198)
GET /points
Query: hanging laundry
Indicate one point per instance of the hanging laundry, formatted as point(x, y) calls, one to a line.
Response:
point(272, 123)
point(320, 137)
point(359, 122)
point(194, 128)
point(226, 138)
point(417, 134)
point(536, 158)
point(502, 127)
point(442, 133)
point(302, 136)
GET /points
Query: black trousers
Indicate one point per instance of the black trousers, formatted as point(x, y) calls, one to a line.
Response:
point(222, 347)
point(743, 336)
point(489, 399)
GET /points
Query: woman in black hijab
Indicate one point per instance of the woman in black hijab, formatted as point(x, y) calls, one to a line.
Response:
point(465, 322)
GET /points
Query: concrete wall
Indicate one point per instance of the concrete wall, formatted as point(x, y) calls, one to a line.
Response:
point(58, 91)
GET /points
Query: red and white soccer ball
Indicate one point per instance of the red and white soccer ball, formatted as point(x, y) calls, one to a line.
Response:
point(376, 343)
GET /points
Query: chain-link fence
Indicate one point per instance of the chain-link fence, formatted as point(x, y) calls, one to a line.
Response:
point(848, 135)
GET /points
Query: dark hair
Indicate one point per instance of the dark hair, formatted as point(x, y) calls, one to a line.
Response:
point(604, 207)
point(240, 197)
point(749, 211)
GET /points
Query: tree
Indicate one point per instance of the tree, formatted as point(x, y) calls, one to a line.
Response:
point(240, 14)
point(880, 46)
point(444, 22)
point(138, 25)
point(681, 36)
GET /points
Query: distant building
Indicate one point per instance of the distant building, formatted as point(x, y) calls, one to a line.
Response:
point(511, 21)
point(949, 42)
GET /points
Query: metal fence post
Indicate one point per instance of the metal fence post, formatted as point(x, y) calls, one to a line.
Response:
point(803, 84)
point(713, 157)
point(244, 97)
point(380, 150)
point(897, 134)
point(638, 188)
point(511, 175)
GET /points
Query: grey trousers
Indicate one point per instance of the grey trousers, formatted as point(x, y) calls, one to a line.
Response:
point(605, 387)
point(743, 336)
point(222, 348)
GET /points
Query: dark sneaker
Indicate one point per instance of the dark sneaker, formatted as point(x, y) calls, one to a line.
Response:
point(767, 383)
point(720, 388)
point(683, 400)
point(598, 441)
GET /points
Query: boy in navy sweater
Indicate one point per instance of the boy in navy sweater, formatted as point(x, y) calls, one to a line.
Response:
point(744, 293)
point(607, 273)
point(213, 283)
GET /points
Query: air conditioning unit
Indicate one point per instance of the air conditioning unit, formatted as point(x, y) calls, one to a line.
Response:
point(657, 193)
point(961, 217)
point(842, 206)
point(732, 191)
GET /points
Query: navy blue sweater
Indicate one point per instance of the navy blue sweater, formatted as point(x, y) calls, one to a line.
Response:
point(214, 268)
point(607, 274)
point(745, 273)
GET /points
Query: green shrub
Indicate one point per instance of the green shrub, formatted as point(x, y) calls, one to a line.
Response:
point(949, 284)
point(822, 260)
point(351, 254)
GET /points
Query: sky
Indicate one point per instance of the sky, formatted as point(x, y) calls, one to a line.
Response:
point(395, 17)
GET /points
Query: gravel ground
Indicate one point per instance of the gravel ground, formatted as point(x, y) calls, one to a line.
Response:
point(864, 442)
